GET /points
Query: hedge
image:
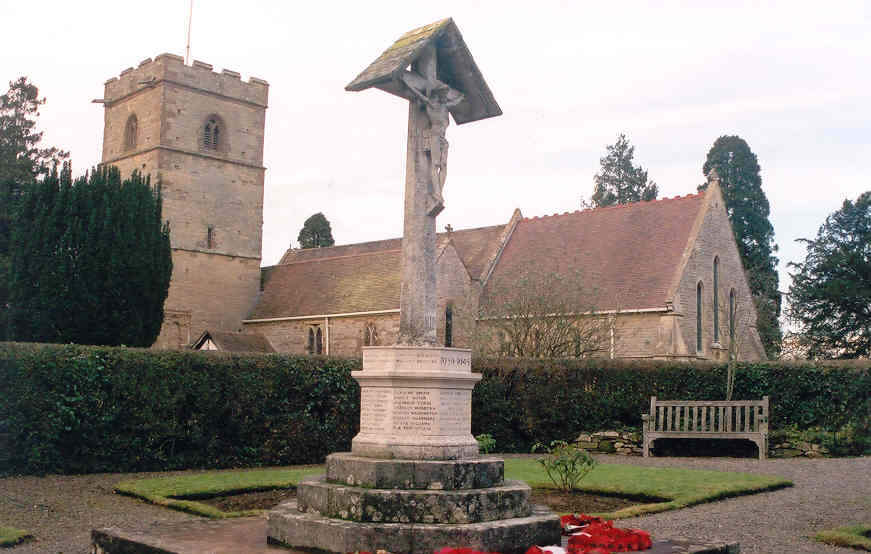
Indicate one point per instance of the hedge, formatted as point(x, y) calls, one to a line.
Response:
point(521, 402)
point(82, 409)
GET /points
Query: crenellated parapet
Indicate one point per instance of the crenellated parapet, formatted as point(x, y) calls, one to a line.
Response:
point(171, 69)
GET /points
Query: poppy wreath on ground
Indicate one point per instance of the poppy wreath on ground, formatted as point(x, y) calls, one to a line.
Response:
point(591, 535)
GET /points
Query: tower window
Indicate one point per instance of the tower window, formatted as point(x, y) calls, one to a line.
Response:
point(131, 129)
point(213, 132)
point(210, 237)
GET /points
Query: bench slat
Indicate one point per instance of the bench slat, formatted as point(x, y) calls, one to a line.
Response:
point(709, 403)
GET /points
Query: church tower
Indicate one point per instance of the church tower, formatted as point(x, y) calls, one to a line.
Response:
point(199, 134)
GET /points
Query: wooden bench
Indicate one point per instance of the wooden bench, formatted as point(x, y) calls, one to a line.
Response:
point(689, 419)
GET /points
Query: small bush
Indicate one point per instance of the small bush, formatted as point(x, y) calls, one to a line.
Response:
point(486, 443)
point(565, 464)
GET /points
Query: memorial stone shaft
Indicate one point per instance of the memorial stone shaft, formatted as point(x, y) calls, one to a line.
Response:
point(431, 68)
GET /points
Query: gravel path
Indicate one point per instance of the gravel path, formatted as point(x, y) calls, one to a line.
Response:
point(826, 493)
point(62, 510)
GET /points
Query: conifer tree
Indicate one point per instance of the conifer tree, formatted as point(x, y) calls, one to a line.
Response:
point(748, 209)
point(21, 162)
point(316, 232)
point(619, 180)
point(91, 260)
point(830, 295)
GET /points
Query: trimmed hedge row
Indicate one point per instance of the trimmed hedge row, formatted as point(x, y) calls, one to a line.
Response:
point(82, 409)
point(521, 402)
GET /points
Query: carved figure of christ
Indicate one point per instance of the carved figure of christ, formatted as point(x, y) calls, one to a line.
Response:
point(426, 169)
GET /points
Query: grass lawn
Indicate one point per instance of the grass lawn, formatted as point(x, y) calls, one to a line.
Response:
point(681, 487)
point(161, 490)
point(668, 488)
point(10, 536)
point(855, 536)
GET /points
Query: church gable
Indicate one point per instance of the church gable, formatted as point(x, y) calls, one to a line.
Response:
point(711, 293)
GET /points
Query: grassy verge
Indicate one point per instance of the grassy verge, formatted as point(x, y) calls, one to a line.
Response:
point(681, 487)
point(684, 487)
point(10, 536)
point(855, 536)
point(180, 493)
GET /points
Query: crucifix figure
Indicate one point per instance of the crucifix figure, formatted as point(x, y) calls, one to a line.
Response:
point(431, 68)
point(435, 98)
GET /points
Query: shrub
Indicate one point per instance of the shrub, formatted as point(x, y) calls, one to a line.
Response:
point(566, 464)
point(486, 443)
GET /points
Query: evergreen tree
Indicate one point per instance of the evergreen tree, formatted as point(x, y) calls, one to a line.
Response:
point(91, 260)
point(748, 209)
point(619, 180)
point(21, 162)
point(316, 232)
point(830, 295)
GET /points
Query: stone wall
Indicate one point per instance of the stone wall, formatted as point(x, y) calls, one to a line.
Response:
point(629, 443)
point(714, 240)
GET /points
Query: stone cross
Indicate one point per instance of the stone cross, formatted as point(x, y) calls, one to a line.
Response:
point(431, 68)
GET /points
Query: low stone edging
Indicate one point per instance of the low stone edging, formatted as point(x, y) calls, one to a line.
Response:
point(626, 443)
point(629, 443)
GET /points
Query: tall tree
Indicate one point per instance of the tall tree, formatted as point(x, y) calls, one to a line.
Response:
point(316, 232)
point(830, 295)
point(748, 209)
point(91, 260)
point(619, 180)
point(21, 162)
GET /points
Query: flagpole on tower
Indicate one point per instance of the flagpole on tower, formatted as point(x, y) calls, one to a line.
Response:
point(187, 53)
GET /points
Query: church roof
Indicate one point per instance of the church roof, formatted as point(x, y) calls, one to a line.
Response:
point(359, 277)
point(621, 257)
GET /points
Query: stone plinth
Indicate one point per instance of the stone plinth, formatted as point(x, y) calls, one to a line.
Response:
point(416, 403)
point(454, 503)
point(288, 526)
point(509, 500)
point(473, 473)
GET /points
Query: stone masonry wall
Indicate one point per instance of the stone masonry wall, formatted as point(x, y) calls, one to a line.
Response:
point(211, 292)
point(715, 239)
point(345, 333)
point(212, 198)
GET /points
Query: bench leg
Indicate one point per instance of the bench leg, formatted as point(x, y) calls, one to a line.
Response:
point(762, 444)
point(646, 446)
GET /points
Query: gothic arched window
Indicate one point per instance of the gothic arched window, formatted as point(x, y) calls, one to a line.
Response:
point(370, 335)
point(315, 340)
point(716, 299)
point(732, 307)
point(449, 325)
point(213, 134)
point(131, 129)
point(699, 318)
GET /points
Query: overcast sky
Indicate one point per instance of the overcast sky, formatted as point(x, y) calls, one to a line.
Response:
point(791, 78)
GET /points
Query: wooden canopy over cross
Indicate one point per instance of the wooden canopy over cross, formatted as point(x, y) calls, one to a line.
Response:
point(455, 67)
